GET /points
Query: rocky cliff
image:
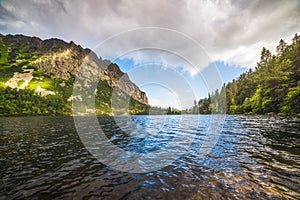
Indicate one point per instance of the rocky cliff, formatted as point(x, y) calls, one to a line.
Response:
point(61, 60)
point(116, 77)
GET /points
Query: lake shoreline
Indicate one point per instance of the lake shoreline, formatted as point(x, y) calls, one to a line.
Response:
point(111, 115)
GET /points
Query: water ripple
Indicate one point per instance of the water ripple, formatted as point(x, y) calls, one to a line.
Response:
point(256, 157)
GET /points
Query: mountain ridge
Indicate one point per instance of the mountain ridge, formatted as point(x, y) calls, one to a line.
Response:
point(51, 66)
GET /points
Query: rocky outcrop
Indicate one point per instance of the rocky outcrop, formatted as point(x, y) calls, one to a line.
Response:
point(116, 77)
point(60, 59)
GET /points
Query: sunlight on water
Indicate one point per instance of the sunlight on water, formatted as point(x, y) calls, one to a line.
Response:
point(255, 157)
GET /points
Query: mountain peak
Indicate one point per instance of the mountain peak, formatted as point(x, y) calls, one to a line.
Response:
point(59, 61)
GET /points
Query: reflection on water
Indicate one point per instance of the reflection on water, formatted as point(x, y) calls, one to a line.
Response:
point(256, 157)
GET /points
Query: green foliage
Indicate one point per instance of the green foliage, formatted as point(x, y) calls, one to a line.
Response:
point(38, 73)
point(7, 71)
point(28, 102)
point(32, 85)
point(20, 82)
point(233, 109)
point(15, 56)
point(137, 108)
point(205, 105)
point(3, 53)
point(292, 100)
point(168, 111)
point(103, 100)
point(256, 101)
point(274, 86)
point(123, 103)
point(49, 84)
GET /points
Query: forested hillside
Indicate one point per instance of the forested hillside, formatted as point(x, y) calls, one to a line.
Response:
point(272, 87)
point(37, 78)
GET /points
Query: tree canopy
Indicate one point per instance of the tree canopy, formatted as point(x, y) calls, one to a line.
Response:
point(274, 85)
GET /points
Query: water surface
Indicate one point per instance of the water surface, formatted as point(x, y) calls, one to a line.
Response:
point(256, 157)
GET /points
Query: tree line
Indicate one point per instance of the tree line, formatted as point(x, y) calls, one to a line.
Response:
point(28, 102)
point(272, 87)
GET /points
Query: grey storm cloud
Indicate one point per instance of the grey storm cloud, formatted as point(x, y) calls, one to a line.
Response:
point(232, 31)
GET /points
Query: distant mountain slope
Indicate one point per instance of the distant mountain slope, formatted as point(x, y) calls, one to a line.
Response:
point(37, 77)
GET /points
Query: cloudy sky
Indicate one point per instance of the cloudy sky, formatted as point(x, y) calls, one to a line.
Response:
point(230, 32)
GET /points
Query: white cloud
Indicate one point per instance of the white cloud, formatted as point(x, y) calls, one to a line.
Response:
point(164, 104)
point(173, 94)
point(232, 31)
